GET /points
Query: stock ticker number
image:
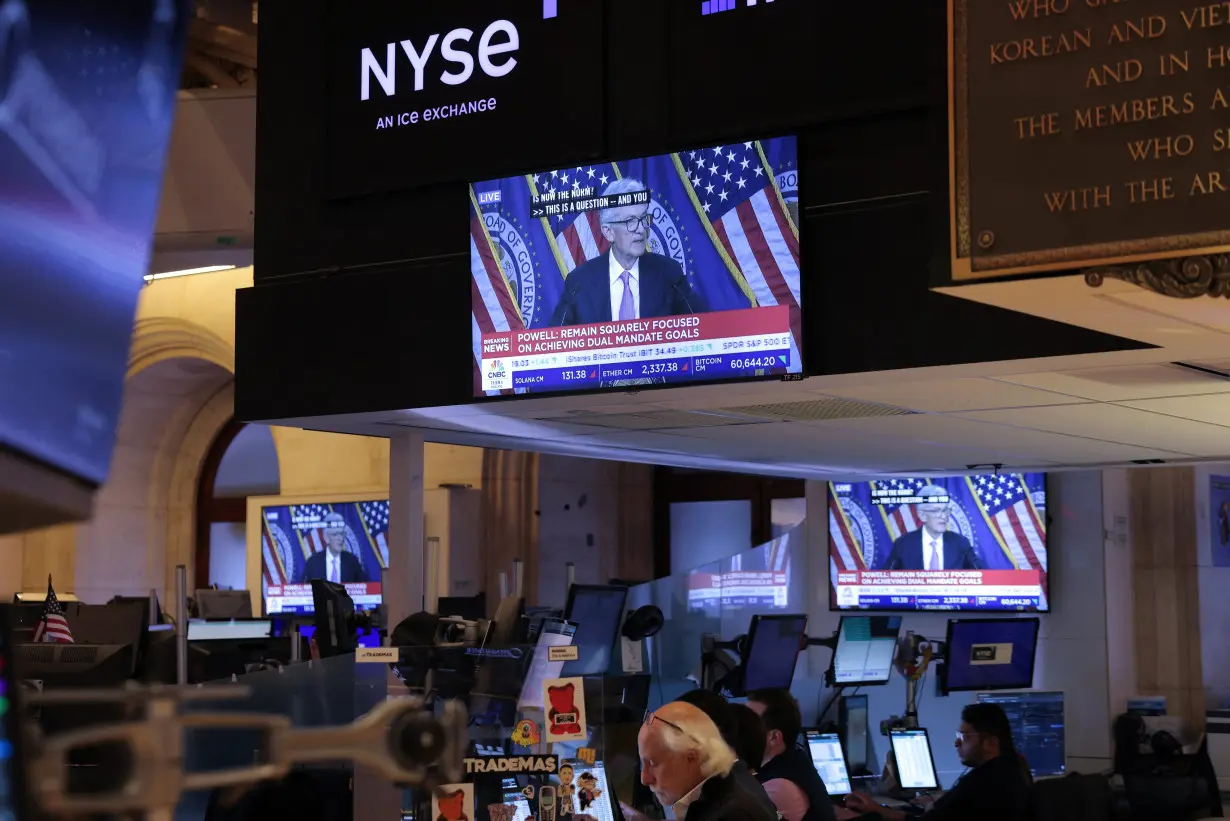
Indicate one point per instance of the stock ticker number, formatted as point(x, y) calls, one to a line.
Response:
point(751, 362)
point(659, 367)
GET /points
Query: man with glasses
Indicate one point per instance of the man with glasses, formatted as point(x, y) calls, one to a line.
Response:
point(995, 786)
point(933, 546)
point(689, 767)
point(628, 281)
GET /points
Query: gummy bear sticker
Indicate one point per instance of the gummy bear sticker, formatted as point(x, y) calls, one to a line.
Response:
point(565, 702)
point(453, 802)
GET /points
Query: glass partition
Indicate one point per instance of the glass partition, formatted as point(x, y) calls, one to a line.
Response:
point(719, 599)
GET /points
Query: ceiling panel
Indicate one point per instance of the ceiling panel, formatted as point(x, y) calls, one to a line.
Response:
point(1115, 423)
point(1211, 408)
point(1125, 383)
point(1011, 443)
point(945, 395)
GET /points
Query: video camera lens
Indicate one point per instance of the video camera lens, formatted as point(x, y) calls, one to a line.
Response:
point(417, 739)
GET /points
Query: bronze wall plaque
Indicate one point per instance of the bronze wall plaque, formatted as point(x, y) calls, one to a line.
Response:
point(1087, 132)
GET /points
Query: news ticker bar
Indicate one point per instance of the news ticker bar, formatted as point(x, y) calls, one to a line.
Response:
point(582, 198)
point(950, 602)
point(676, 369)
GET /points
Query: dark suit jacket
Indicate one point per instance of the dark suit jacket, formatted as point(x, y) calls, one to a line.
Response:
point(908, 553)
point(315, 568)
point(664, 291)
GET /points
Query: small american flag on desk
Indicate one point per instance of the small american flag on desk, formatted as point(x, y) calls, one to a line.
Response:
point(53, 628)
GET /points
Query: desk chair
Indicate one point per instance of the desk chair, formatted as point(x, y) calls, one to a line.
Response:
point(1074, 797)
point(1166, 797)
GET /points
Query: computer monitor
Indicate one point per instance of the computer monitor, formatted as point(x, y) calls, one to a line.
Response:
point(853, 722)
point(915, 764)
point(552, 633)
point(366, 637)
point(829, 760)
point(1036, 718)
point(989, 654)
point(597, 610)
point(471, 608)
point(75, 665)
point(865, 649)
point(773, 644)
point(333, 610)
point(223, 604)
point(235, 629)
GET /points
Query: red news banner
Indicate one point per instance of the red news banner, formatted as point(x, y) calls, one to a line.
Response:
point(667, 330)
point(942, 578)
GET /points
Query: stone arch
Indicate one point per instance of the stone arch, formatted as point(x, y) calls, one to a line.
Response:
point(160, 338)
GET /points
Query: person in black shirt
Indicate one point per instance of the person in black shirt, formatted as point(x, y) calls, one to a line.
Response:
point(994, 787)
point(787, 772)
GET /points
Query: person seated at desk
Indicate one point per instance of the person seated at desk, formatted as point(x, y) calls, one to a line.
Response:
point(688, 765)
point(721, 713)
point(788, 774)
point(750, 736)
point(993, 787)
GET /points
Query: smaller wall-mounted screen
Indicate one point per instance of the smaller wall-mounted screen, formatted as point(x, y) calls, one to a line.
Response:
point(669, 269)
point(955, 543)
point(343, 542)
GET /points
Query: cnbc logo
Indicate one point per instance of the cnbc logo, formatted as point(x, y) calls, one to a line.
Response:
point(714, 6)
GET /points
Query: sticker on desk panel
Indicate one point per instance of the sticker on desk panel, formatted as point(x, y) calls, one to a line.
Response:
point(587, 755)
point(537, 764)
point(502, 812)
point(526, 733)
point(563, 652)
point(453, 802)
point(565, 700)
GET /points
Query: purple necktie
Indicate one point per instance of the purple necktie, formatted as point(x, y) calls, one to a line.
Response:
point(627, 308)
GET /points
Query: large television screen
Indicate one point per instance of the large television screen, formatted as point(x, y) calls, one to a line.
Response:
point(87, 97)
point(957, 543)
point(676, 268)
point(344, 542)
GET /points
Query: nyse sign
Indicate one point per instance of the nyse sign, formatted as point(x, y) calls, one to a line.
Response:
point(453, 90)
point(1087, 132)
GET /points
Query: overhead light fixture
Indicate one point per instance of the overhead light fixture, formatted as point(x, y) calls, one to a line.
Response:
point(208, 269)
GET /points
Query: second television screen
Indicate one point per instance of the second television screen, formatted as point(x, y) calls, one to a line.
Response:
point(676, 268)
point(955, 543)
point(344, 542)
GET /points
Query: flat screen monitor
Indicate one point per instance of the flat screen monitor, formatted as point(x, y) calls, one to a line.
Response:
point(597, 610)
point(915, 764)
point(865, 649)
point(773, 644)
point(89, 98)
point(829, 760)
point(343, 542)
point(553, 633)
point(854, 722)
point(671, 269)
point(989, 654)
point(229, 630)
point(223, 604)
point(958, 543)
point(12, 774)
point(366, 637)
point(1036, 718)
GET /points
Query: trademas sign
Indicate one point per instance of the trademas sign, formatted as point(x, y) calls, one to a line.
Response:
point(449, 90)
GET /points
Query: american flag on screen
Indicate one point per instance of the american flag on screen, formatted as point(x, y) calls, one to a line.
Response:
point(376, 521)
point(733, 187)
point(1010, 514)
point(53, 628)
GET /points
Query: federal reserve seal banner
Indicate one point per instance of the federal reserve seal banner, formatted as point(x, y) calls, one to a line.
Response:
point(1086, 133)
point(953, 543)
point(676, 268)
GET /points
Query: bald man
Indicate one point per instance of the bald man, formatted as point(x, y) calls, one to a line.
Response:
point(688, 766)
